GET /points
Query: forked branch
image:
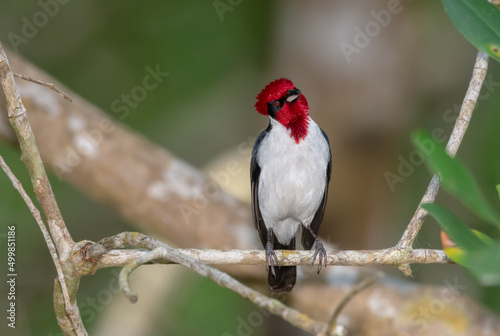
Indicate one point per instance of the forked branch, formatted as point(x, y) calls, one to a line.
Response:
point(42, 188)
point(456, 137)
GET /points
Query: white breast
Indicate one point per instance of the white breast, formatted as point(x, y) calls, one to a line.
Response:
point(292, 178)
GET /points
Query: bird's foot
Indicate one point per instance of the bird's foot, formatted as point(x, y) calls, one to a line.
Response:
point(271, 258)
point(319, 251)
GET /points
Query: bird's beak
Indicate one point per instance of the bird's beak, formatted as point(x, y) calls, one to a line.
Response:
point(292, 95)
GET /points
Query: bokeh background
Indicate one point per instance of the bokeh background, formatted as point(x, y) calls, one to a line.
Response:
point(412, 72)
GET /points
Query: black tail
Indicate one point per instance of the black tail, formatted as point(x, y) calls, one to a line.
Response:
point(285, 275)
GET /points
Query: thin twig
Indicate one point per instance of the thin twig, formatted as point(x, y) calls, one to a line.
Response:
point(463, 120)
point(165, 252)
point(74, 315)
point(42, 83)
point(62, 240)
point(31, 158)
point(365, 283)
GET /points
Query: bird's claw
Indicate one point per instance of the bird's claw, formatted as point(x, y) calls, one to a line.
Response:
point(271, 258)
point(319, 251)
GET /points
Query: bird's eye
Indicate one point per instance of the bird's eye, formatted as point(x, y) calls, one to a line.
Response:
point(276, 103)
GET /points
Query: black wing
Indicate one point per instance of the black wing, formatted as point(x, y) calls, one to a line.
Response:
point(307, 238)
point(254, 178)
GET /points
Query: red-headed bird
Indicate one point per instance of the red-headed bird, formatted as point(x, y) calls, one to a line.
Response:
point(290, 172)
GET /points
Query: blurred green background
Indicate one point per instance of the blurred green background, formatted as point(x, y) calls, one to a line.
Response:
point(217, 65)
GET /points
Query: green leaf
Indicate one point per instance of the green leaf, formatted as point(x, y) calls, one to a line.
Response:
point(457, 253)
point(484, 264)
point(475, 251)
point(484, 237)
point(478, 21)
point(457, 230)
point(455, 177)
point(498, 189)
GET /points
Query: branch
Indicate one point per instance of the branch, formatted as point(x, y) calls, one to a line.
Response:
point(390, 256)
point(393, 307)
point(365, 283)
point(73, 309)
point(31, 157)
point(105, 254)
point(43, 191)
point(42, 83)
point(461, 124)
point(166, 253)
point(102, 254)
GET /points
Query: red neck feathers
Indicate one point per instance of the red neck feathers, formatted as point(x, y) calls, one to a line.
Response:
point(295, 117)
point(282, 101)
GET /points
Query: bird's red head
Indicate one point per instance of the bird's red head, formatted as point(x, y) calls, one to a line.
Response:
point(282, 101)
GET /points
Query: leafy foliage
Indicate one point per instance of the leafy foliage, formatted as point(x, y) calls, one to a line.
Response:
point(476, 251)
point(458, 231)
point(478, 21)
point(455, 177)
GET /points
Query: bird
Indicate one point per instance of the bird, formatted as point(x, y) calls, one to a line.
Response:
point(290, 172)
